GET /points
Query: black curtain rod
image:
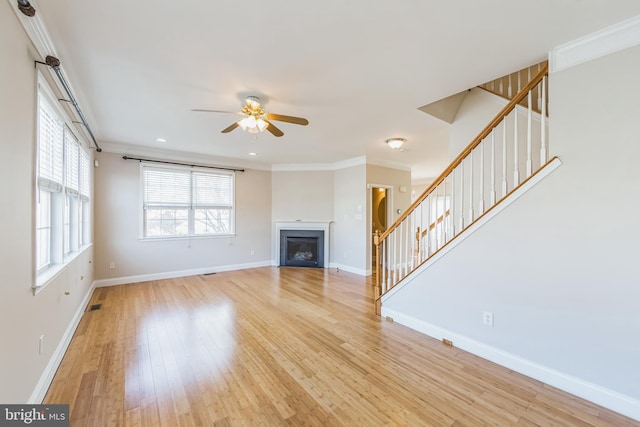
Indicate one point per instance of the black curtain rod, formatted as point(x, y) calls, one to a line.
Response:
point(54, 63)
point(182, 164)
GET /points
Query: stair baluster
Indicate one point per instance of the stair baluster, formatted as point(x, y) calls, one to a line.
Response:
point(438, 215)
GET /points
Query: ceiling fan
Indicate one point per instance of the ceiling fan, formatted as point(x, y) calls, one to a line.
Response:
point(256, 120)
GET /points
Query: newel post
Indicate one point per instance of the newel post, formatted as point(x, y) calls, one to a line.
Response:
point(378, 286)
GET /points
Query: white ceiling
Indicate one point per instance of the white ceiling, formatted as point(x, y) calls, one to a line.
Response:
point(357, 70)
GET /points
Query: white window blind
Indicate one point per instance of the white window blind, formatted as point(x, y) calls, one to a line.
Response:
point(212, 203)
point(71, 161)
point(84, 175)
point(166, 187)
point(181, 201)
point(212, 190)
point(50, 151)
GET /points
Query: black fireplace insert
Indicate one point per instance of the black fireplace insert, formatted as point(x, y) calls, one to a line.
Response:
point(302, 248)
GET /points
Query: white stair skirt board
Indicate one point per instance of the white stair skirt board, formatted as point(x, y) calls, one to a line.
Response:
point(609, 399)
point(515, 195)
point(181, 273)
point(56, 358)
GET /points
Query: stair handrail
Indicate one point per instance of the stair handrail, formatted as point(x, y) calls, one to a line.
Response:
point(483, 134)
point(497, 120)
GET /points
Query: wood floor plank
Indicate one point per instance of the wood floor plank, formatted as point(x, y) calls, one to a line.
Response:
point(284, 347)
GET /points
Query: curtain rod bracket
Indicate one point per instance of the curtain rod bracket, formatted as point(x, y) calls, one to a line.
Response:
point(54, 63)
point(25, 7)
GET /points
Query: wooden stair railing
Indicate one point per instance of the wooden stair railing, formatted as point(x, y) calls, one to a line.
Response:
point(508, 86)
point(495, 163)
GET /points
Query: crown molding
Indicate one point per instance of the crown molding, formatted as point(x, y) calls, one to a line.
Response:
point(185, 156)
point(342, 164)
point(307, 167)
point(36, 30)
point(302, 167)
point(182, 156)
point(349, 163)
point(603, 42)
point(388, 164)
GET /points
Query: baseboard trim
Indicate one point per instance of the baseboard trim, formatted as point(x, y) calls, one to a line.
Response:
point(602, 396)
point(349, 269)
point(56, 358)
point(180, 273)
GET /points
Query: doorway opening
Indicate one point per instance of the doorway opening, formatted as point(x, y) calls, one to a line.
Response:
point(381, 215)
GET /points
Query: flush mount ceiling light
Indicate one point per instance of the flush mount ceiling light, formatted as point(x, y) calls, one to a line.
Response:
point(395, 143)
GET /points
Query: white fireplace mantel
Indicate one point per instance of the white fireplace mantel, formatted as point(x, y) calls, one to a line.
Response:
point(301, 225)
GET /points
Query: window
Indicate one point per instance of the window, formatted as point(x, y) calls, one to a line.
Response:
point(84, 230)
point(50, 182)
point(63, 188)
point(43, 230)
point(186, 202)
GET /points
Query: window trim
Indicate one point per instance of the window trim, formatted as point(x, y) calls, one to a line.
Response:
point(59, 260)
point(191, 206)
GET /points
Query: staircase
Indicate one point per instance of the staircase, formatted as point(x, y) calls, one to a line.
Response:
point(509, 152)
point(508, 86)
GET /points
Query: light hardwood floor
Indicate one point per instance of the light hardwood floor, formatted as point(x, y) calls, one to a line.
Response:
point(270, 347)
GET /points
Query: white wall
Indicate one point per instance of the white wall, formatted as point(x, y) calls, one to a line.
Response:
point(492, 162)
point(558, 268)
point(477, 110)
point(304, 195)
point(117, 223)
point(23, 316)
point(397, 179)
point(350, 228)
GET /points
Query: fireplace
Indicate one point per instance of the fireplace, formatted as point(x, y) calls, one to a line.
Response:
point(302, 248)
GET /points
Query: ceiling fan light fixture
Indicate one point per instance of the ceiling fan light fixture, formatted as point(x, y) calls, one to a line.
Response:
point(261, 124)
point(395, 143)
point(253, 101)
point(253, 125)
point(247, 123)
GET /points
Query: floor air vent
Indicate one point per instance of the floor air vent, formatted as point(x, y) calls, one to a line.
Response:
point(95, 307)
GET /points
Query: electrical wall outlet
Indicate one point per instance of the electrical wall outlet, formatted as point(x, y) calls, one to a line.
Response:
point(487, 318)
point(112, 265)
point(41, 345)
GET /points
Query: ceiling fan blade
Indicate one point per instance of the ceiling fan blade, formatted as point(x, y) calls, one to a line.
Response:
point(230, 128)
point(288, 119)
point(216, 111)
point(274, 130)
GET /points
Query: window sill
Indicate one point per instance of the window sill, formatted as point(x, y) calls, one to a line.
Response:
point(170, 238)
point(50, 274)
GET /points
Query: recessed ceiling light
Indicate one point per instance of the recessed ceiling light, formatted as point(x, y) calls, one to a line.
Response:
point(161, 139)
point(252, 154)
